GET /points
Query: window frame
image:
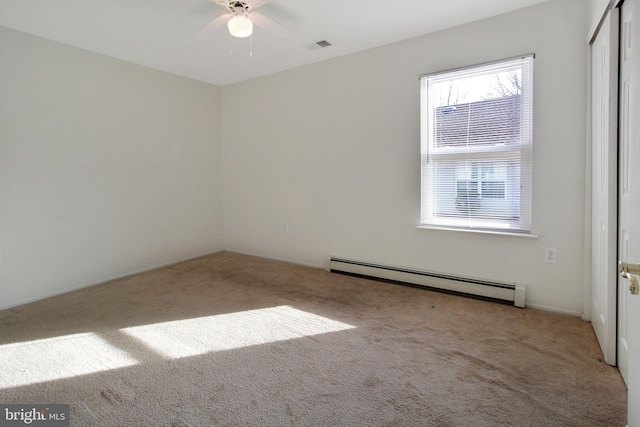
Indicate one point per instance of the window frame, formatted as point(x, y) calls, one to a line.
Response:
point(520, 154)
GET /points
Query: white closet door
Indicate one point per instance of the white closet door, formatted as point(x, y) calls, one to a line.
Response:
point(604, 72)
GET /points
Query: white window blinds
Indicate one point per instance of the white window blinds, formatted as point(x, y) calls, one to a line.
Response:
point(476, 144)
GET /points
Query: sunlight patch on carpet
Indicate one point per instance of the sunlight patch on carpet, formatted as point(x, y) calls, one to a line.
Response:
point(192, 337)
point(57, 358)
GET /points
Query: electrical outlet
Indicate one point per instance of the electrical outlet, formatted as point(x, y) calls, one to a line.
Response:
point(550, 255)
point(285, 227)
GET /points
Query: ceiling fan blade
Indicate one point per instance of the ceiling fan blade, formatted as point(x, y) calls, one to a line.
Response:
point(276, 12)
point(254, 4)
point(269, 25)
point(214, 25)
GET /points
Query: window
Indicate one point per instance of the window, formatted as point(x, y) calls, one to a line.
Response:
point(476, 147)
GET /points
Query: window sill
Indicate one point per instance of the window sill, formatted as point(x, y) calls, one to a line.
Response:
point(527, 236)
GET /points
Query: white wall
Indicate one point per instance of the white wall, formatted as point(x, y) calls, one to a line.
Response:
point(106, 168)
point(332, 149)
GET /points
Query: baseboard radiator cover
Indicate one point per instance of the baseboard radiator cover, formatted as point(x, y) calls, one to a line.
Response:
point(505, 292)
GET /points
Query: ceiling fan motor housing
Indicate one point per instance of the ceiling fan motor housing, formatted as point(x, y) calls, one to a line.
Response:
point(238, 7)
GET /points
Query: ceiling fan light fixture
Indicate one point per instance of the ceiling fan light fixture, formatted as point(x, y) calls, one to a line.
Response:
point(240, 26)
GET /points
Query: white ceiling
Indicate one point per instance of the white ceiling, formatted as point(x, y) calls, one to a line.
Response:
point(163, 34)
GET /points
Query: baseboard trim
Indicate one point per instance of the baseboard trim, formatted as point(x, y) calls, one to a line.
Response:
point(106, 280)
point(555, 310)
point(289, 260)
point(237, 251)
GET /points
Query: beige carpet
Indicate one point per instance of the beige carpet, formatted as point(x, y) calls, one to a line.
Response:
point(233, 340)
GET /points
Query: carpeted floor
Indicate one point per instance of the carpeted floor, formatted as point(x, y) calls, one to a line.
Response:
point(231, 340)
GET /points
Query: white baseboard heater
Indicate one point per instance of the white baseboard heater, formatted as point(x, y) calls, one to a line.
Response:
point(463, 285)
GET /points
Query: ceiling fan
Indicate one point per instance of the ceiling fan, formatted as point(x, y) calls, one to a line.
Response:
point(241, 18)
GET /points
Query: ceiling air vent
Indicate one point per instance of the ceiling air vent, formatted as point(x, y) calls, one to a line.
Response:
point(323, 43)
